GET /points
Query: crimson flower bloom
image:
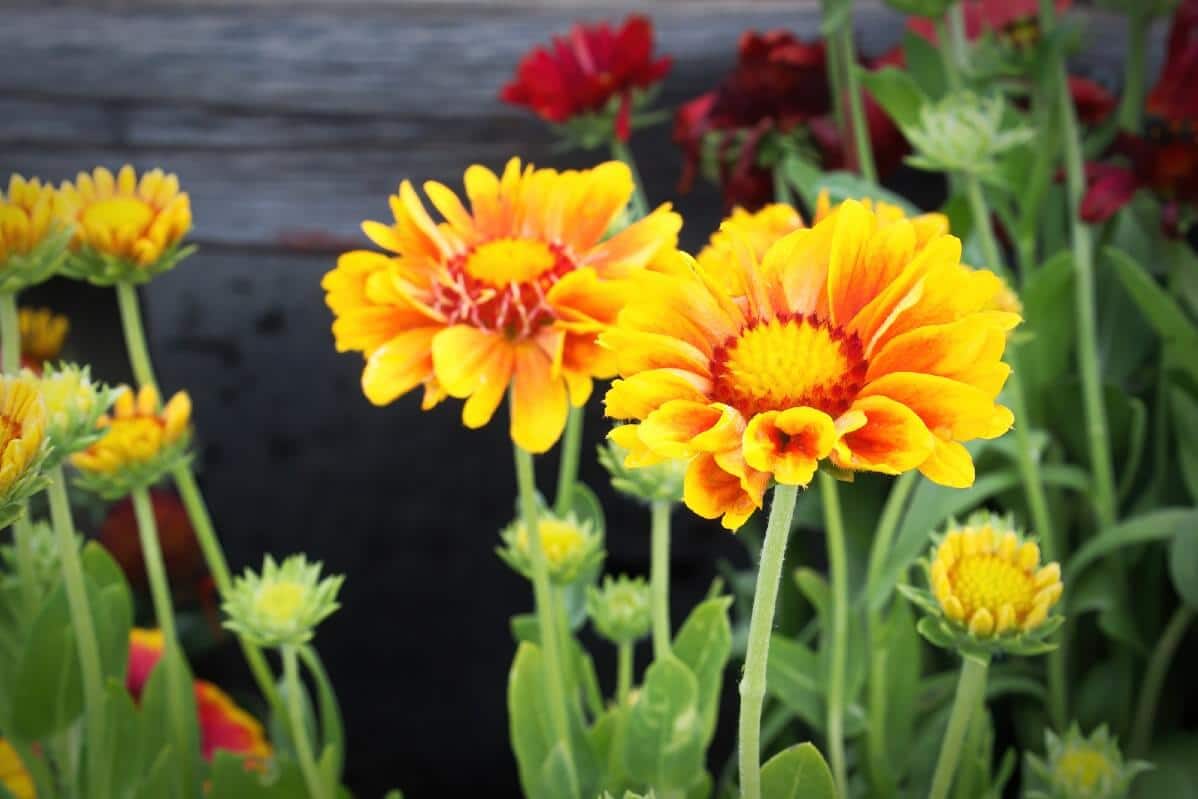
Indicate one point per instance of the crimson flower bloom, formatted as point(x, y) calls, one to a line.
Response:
point(1164, 159)
point(778, 86)
point(582, 72)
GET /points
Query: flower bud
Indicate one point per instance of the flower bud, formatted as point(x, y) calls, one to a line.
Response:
point(964, 133)
point(74, 405)
point(572, 547)
point(282, 605)
point(33, 242)
point(1079, 767)
point(636, 477)
point(620, 609)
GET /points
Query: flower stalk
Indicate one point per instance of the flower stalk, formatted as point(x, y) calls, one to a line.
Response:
point(838, 572)
point(659, 575)
point(623, 672)
point(638, 205)
point(10, 333)
point(971, 687)
point(1154, 678)
point(1131, 107)
point(317, 788)
point(864, 149)
point(765, 596)
point(567, 473)
point(86, 642)
point(543, 598)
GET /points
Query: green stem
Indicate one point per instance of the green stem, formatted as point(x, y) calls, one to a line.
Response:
point(956, 36)
point(543, 596)
point(1087, 321)
point(623, 672)
point(952, 69)
point(781, 185)
point(836, 79)
point(1154, 678)
point(659, 577)
point(10, 333)
point(971, 686)
point(838, 572)
point(164, 614)
point(135, 335)
point(567, 473)
point(761, 622)
point(86, 641)
point(888, 523)
point(22, 533)
point(218, 566)
point(1131, 107)
point(299, 730)
point(865, 154)
point(638, 203)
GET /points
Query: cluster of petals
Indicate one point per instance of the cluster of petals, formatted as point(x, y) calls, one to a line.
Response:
point(27, 212)
point(511, 291)
point(137, 431)
point(583, 71)
point(861, 340)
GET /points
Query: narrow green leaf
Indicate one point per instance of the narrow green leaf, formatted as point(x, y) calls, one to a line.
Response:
point(1143, 529)
point(530, 728)
point(1183, 565)
point(704, 644)
point(1185, 421)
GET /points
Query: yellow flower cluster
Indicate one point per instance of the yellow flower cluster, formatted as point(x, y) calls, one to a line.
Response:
point(137, 433)
point(22, 429)
point(27, 211)
point(42, 335)
point(989, 580)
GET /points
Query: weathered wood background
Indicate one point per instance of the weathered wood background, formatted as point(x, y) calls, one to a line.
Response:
point(289, 123)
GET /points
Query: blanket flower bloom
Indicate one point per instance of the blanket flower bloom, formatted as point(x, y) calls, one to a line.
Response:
point(989, 591)
point(42, 335)
point(849, 342)
point(140, 443)
point(23, 443)
point(224, 726)
point(73, 407)
point(126, 228)
point(593, 70)
point(32, 244)
point(1077, 766)
point(512, 291)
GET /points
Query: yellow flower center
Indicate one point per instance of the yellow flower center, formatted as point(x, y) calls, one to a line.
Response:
point(789, 363)
point(280, 601)
point(559, 540)
point(505, 261)
point(1081, 769)
point(990, 581)
point(118, 212)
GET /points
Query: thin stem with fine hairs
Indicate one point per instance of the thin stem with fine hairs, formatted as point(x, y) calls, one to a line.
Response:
point(838, 572)
point(1131, 106)
point(861, 140)
point(623, 672)
point(638, 204)
point(86, 642)
point(317, 789)
point(1154, 677)
point(761, 622)
point(567, 473)
point(659, 577)
point(135, 335)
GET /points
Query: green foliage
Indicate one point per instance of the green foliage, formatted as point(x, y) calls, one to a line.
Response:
point(798, 772)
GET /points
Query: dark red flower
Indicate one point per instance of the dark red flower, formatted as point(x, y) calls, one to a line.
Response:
point(581, 72)
point(1094, 103)
point(180, 551)
point(1164, 159)
point(779, 84)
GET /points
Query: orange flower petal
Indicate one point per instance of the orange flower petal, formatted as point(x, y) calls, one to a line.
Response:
point(948, 349)
point(636, 245)
point(711, 492)
point(628, 436)
point(669, 429)
point(950, 409)
point(893, 439)
point(637, 396)
point(789, 444)
point(950, 464)
point(539, 401)
point(459, 353)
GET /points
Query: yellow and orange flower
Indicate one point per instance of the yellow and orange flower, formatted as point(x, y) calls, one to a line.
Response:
point(22, 442)
point(862, 340)
point(510, 291)
point(223, 724)
point(26, 216)
point(136, 222)
point(42, 335)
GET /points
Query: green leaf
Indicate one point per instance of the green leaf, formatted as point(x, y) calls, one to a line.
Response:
point(332, 729)
point(112, 609)
point(798, 772)
point(808, 181)
point(933, 630)
point(525, 628)
point(1183, 565)
point(1159, 309)
point(897, 92)
point(664, 739)
point(530, 727)
point(231, 778)
point(903, 667)
point(156, 710)
point(1048, 332)
point(607, 739)
point(1143, 529)
point(925, 64)
point(586, 506)
point(47, 692)
point(704, 644)
point(1185, 423)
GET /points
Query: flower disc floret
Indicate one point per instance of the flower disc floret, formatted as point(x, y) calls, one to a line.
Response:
point(620, 609)
point(989, 591)
point(23, 444)
point(861, 341)
point(127, 229)
point(572, 546)
point(509, 292)
point(139, 443)
point(33, 239)
point(282, 605)
point(74, 405)
point(1077, 766)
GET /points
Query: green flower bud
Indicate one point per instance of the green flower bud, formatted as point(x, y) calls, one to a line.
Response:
point(282, 605)
point(620, 609)
point(654, 483)
point(572, 547)
point(1081, 767)
point(46, 564)
point(964, 133)
point(74, 405)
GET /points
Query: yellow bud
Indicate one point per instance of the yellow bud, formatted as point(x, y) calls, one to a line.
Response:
point(1035, 617)
point(985, 539)
point(1006, 618)
point(1049, 595)
point(1008, 546)
point(982, 623)
point(1048, 575)
point(1029, 556)
point(953, 608)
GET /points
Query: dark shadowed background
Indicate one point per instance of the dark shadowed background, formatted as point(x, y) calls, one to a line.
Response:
point(289, 123)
